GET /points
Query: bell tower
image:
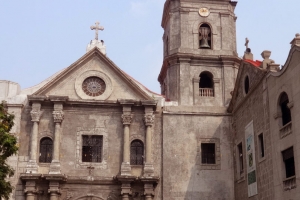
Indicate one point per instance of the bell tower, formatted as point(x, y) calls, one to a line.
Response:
point(200, 57)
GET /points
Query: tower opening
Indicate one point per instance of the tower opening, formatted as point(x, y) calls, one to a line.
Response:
point(206, 85)
point(205, 37)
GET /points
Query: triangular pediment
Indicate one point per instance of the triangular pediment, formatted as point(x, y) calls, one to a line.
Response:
point(246, 71)
point(94, 77)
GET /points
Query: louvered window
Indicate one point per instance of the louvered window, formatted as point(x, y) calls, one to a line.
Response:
point(136, 152)
point(46, 148)
point(92, 148)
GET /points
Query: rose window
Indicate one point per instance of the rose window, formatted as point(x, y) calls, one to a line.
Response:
point(93, 86)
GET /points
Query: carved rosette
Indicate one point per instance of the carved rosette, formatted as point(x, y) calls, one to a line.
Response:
point(58, 116)
point(126, 119)
point(36, 115)
point(149, 119)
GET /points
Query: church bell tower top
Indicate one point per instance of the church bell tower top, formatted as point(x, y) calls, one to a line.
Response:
point(96, 42)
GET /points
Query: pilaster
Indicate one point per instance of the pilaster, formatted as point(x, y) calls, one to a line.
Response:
point(54, 185)
point(126, 120)
point(36, 114)
point(30, 186)
point(126, 181)
point(149, 122)
point(149, 186)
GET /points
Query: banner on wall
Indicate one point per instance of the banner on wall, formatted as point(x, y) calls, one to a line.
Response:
point(250, 159)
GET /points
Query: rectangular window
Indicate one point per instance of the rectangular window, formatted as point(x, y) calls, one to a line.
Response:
point(289, 163)
point(92, 148)
point(241, 157)
point(261, 145)
point(208, 153)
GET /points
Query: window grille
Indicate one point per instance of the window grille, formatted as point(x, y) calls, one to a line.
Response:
point(288, 159)
point(92, 148)
point(137, 153)
point(208, 153)
point(46, 148)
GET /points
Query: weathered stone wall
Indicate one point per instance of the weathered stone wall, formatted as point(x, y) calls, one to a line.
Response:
point(287, 80)
point(253, 107)
point(78, 121)
point(184, 176)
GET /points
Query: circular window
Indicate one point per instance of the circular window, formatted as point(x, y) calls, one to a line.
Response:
point(93, 86)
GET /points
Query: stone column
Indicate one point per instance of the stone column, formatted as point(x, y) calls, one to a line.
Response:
point(149, 186)
point(58, 116)
point(54, 190)
point(126, 191)
point(30, 188)
point(126, 119)
point(36, 114)
point(148, 191)
point(149, 120)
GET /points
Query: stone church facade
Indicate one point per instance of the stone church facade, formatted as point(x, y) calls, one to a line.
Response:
point(222, 127)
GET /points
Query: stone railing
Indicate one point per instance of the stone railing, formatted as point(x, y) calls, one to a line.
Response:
point(206, 92)
point(289, 183)
point(286, 130)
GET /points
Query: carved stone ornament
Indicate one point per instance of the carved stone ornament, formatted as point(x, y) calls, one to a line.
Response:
point(149, 119)
point(36, 115)
point(58, 116)
point(126, 118)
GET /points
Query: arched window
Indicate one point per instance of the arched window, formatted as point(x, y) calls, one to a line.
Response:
point(285, 110)
point(206, 85)
point(46, 148)
point(137, 152)
point(205, 37)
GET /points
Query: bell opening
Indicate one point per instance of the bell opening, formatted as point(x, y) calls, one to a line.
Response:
point(204, 37)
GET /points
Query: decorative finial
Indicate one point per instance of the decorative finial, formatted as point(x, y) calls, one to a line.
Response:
point(96, 28)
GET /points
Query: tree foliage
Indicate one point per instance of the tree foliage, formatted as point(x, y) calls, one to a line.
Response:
point(8, 147)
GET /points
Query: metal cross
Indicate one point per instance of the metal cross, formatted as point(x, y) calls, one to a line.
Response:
point(96, 28)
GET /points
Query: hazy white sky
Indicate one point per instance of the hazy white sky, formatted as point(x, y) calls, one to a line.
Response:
point(39, 38)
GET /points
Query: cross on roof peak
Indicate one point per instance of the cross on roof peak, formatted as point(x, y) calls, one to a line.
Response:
point(96, 28)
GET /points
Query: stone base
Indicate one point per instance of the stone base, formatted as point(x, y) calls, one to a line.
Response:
point(148, 170)
point(54, 167)
point(125, 169)
point(32, 167)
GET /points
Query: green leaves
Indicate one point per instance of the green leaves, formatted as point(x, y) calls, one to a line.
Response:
point(8, 147)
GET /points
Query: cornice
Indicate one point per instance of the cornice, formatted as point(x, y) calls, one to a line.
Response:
point(196, 59)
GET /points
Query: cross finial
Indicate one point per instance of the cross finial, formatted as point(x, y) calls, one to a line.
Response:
point(246, 44)
point(96, 28)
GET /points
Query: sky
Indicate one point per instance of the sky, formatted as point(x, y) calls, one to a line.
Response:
point(39, 38)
